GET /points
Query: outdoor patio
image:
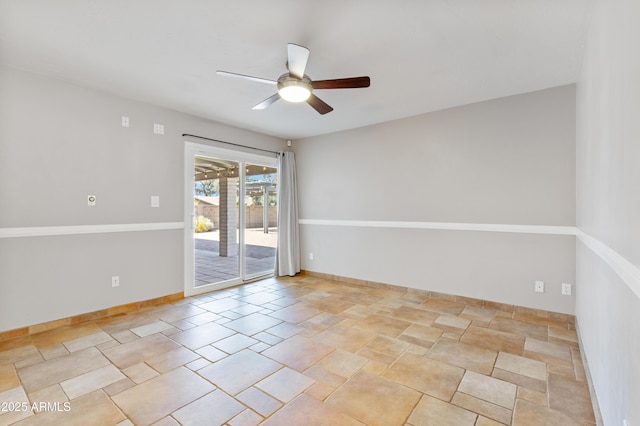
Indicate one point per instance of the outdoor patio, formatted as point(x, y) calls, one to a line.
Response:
point(210, 267)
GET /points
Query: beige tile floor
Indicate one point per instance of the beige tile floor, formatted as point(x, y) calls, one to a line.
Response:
point(300, 351)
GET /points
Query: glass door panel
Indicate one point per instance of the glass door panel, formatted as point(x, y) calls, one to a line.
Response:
point(216, 232)
point(260, 219)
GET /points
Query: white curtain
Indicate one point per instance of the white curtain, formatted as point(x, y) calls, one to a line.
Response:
point(288, 251)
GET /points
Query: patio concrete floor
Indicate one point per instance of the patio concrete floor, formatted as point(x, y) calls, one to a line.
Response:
point(210, 267)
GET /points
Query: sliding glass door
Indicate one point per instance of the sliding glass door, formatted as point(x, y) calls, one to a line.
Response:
point(260, 219)
point(230, 212)
point(215, 205)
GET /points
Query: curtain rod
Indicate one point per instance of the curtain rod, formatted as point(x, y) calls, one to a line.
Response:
point(231, 143)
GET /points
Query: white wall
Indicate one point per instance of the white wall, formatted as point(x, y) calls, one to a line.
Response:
point(608, 208)
point(505, 161)
point(59, 143)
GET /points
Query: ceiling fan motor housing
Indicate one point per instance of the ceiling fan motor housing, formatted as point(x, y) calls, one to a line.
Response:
point(294, 89)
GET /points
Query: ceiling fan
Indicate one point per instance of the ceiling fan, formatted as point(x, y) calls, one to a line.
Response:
point(296, 86)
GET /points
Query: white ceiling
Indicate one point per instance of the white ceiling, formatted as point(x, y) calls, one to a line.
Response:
point(421, 55)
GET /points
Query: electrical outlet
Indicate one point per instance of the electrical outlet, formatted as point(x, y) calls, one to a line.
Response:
point(311, 256)
point(539, 286)
point(125, 121)
point(115, 281)
point(155, 201)
point(91, 200)
point(566, 289)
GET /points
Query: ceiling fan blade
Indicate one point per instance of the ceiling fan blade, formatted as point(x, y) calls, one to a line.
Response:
point(297, 57)
point(267, 102)
point(319, 105)
point(246, 77)
point(342, 83)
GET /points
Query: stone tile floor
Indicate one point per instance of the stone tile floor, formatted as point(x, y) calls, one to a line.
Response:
point(301, 350)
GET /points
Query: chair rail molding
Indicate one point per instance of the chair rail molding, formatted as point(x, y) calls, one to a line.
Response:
point(451, 226)
point(626, 270)
point(48, 231)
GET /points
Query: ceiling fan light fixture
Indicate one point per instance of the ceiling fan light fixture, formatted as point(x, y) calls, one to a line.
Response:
point(293, 89)
point(296, 86)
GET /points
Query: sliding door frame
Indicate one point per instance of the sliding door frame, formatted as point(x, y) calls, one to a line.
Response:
point(192, 150)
